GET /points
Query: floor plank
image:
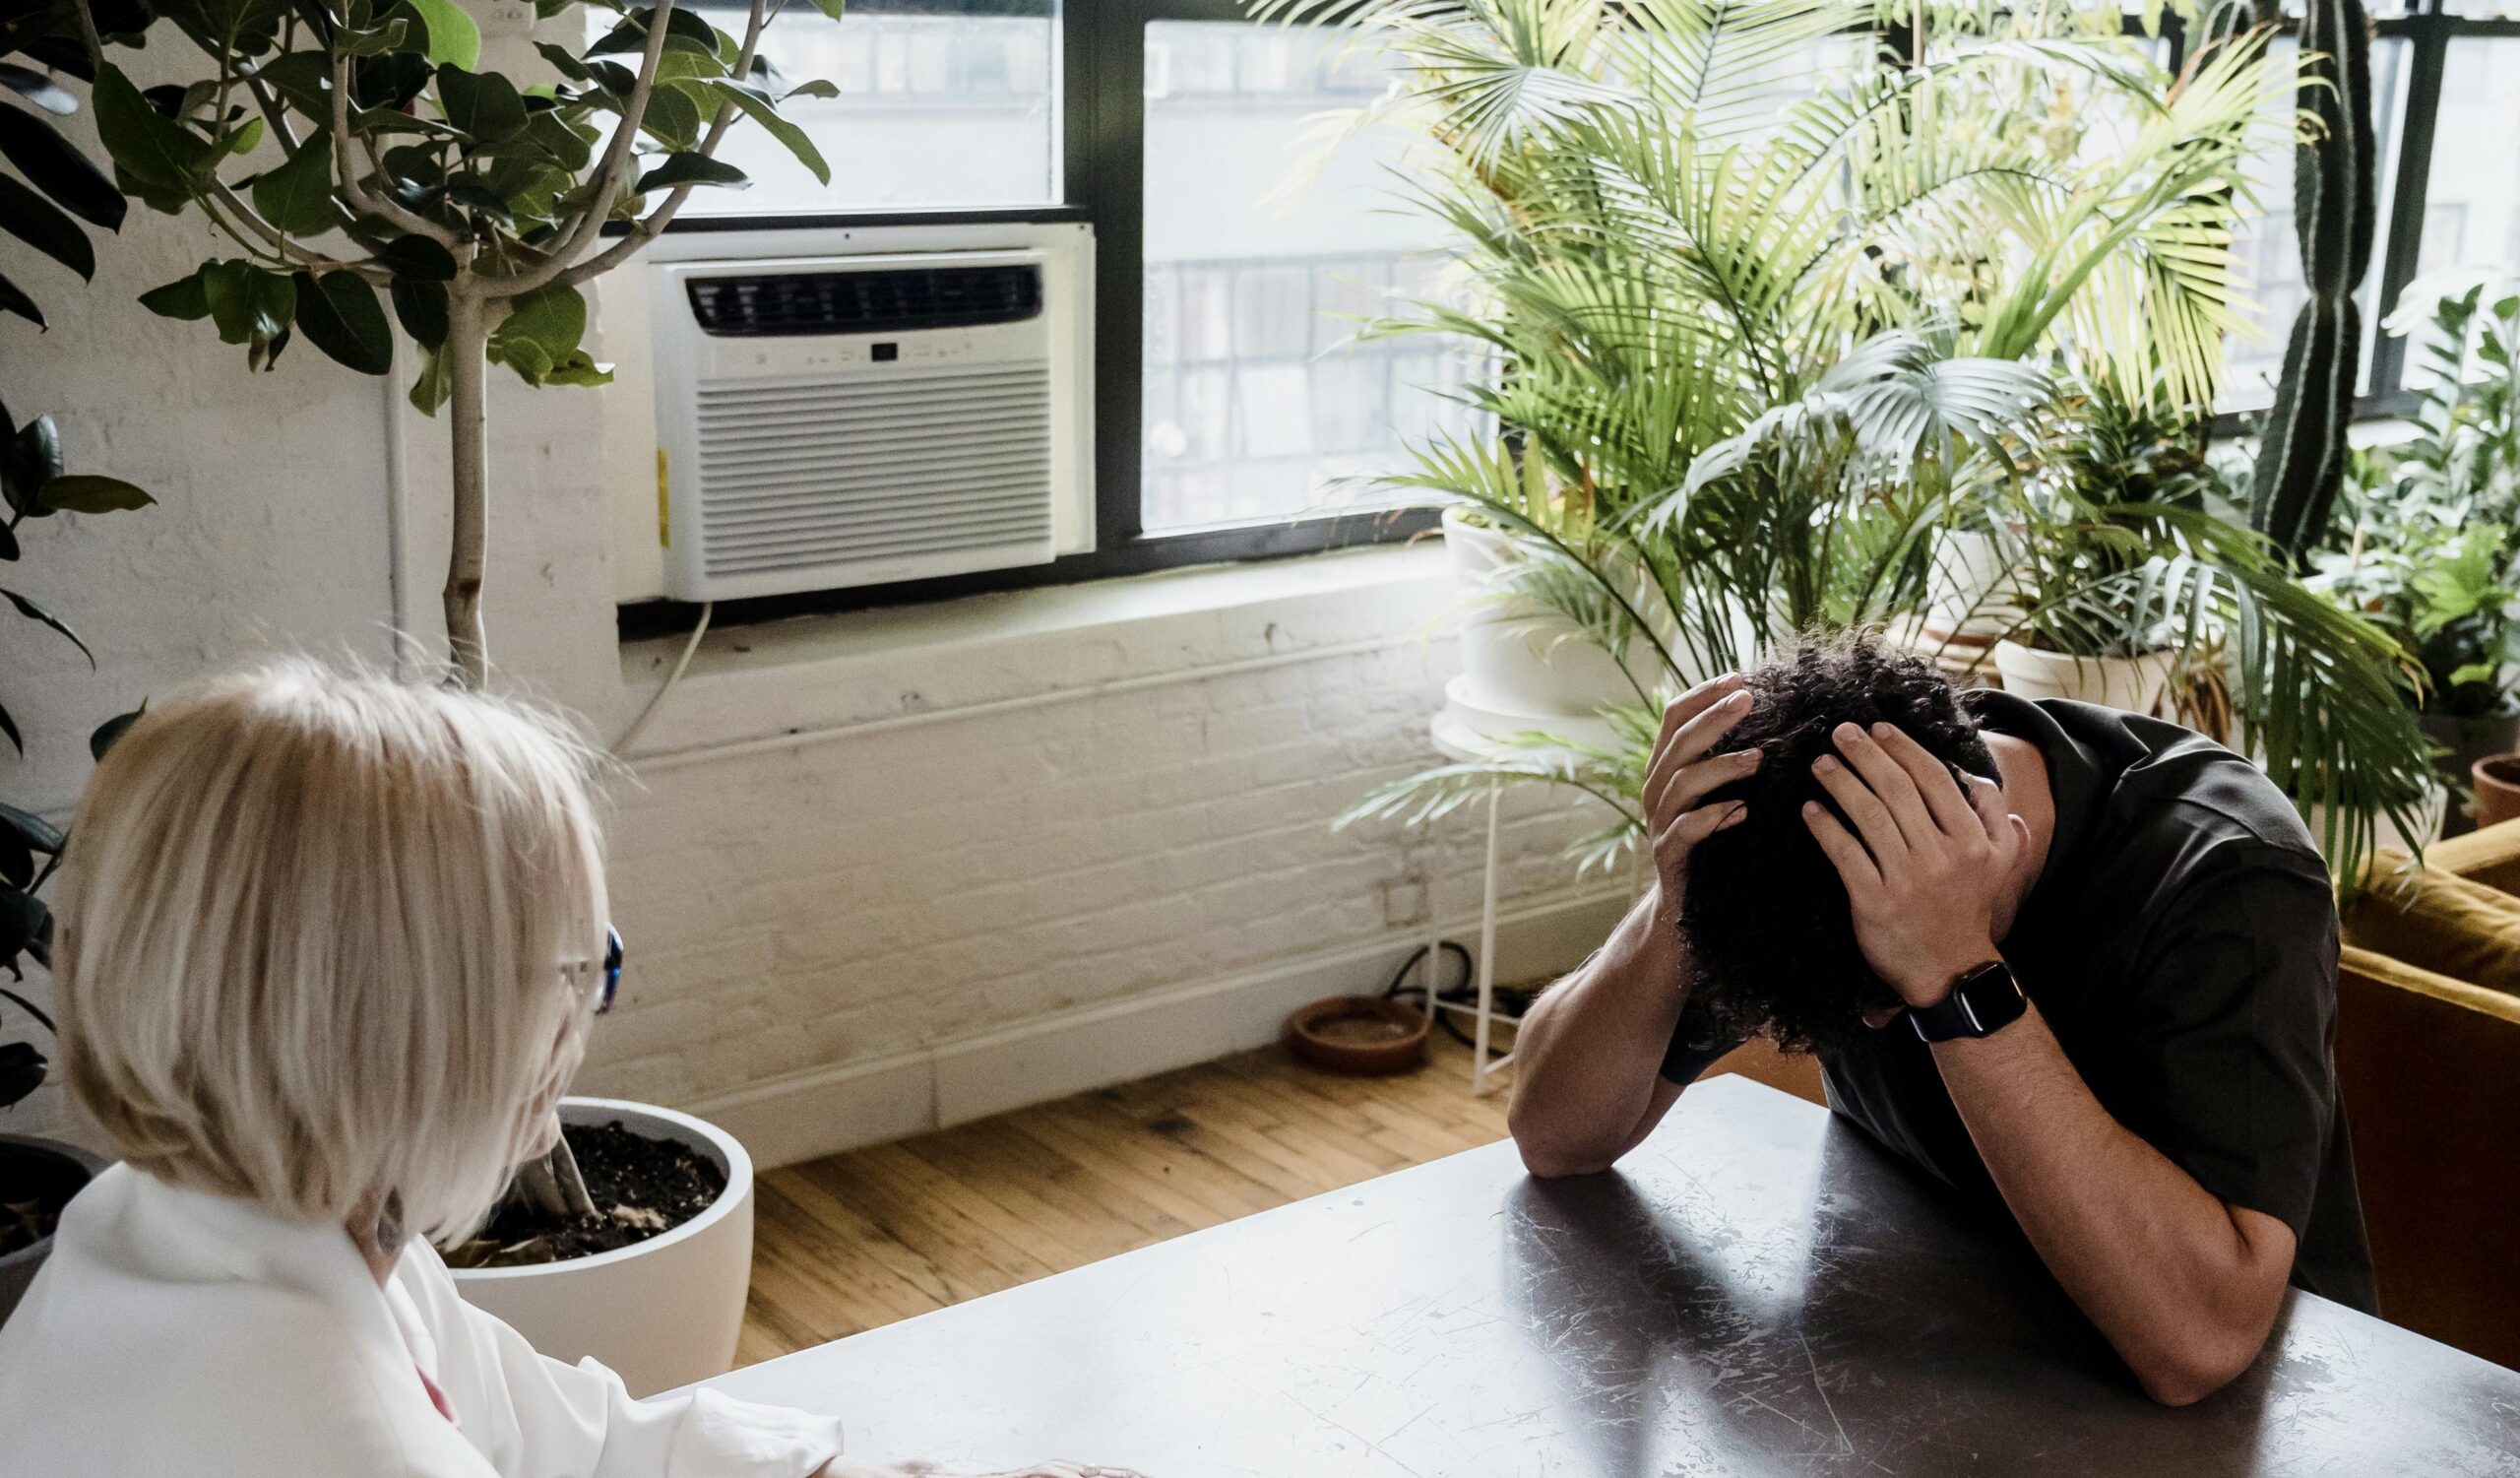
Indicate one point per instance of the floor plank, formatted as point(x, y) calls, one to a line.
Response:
point(861, 1239)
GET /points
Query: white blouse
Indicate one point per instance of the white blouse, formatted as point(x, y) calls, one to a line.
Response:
point(173, 1334)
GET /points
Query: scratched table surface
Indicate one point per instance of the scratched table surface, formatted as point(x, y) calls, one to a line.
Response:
point(1758, 1290)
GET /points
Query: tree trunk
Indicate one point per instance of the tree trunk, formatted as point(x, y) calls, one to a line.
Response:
point(551, 1182)
point(468, 335)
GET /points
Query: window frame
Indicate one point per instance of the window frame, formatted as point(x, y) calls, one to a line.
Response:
point(1101, 54)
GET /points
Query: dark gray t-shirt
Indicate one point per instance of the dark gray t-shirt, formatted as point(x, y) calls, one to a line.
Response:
point(2182, 943)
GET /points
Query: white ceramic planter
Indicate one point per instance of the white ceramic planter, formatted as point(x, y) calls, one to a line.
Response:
point(1519, 658)
point(662, 1313)
point(2132, 684)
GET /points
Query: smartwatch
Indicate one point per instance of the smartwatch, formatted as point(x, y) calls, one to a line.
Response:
point(1982, 1002)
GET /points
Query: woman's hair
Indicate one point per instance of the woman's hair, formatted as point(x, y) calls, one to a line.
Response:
point(1770, 932)
point(328, 941)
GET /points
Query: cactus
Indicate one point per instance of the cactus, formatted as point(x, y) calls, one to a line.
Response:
point(2300, 460)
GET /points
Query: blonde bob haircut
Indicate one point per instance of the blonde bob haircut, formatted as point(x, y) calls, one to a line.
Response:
point(328, 941)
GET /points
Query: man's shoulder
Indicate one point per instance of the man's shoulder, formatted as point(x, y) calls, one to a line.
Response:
point(2206, 809)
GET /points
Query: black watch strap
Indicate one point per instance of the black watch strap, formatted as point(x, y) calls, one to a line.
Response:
point(1982, 1002)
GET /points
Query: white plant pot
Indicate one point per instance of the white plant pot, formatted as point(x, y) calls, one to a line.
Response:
point(2132, 684)
point(662, 1312)
point(1518, 656)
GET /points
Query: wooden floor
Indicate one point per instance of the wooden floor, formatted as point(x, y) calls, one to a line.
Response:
point(876, 1235)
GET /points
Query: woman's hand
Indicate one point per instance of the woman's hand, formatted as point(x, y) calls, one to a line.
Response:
point(1680, 774)
point(1931, 863)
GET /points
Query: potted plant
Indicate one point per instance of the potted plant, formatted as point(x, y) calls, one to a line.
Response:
point(351, 152)
point(62, 189)
point(1778, 344)
point(2427, 546)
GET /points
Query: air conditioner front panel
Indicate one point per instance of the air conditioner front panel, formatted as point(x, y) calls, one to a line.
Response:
point(935, 472)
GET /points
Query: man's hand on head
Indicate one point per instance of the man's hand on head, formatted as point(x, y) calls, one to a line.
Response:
point(1925, 866)
point(1682, 772)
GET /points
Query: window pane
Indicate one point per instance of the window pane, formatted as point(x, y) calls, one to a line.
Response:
point(1256, 401)
point(2472, 204)
point(2269, 258)
point(942, 103)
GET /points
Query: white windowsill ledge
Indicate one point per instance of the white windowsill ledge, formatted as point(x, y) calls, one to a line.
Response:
point(826, 676)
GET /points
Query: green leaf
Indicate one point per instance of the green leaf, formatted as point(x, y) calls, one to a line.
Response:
point(562, 62)
point(30, 460)
point(419, 259)
point(185, 297)
point(16, 858)
point(39, 834)
point(820, 86)
point(297, 197)
point(34, 612)
point(434, 385)
point(13, 300)
point(88, 492)
point(112, 730)
point(250, 306)
point(692, 169)
point(390, 37)
point(836, 9)
point(37, 88)
point(339, 314)
point(303, 78)
point(578, 368)
point(21, 1066)
point(147, 145)
point(540, 332)
point(31, 219)
point(60, 172)
point(752, 100)
point(453, 38)
point(246, 137)
point(672, 118)
point(551, 137)
point(420, 307)
point(485, 105)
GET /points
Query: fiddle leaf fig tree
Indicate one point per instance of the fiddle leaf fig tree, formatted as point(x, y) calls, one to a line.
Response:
point(364, 168)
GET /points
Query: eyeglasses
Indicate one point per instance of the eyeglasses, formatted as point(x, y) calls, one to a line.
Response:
point(611, 969)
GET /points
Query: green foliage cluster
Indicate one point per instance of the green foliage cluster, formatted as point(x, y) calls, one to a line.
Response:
point(60, 190)
point(2430, 543)
point(356, 155)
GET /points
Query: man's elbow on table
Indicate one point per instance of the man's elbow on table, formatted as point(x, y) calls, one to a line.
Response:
point(2196, 1366)
point(1550, 1151)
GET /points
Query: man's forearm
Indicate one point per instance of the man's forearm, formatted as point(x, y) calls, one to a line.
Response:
point(1589, 1055)
point(2183, 1285)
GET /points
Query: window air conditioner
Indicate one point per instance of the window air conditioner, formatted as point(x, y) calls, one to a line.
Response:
point(842, 420)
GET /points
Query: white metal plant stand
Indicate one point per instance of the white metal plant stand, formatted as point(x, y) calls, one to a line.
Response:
point(1458, 742)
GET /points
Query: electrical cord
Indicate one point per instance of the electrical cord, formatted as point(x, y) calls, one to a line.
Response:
point(1511, 1001)
point(621, 745)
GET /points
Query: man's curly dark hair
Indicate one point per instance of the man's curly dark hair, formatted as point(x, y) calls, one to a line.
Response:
point(1771, 941)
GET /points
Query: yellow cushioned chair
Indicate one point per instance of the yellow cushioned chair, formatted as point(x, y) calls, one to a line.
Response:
point(2431, 1070)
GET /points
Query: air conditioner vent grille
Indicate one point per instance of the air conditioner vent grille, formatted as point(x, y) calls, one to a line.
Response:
point(803, 476)
point(892, 300)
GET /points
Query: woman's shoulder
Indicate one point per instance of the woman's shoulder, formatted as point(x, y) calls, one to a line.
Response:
point(141, 1349)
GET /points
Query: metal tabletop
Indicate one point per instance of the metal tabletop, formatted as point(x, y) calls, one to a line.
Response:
point(1757, 1289)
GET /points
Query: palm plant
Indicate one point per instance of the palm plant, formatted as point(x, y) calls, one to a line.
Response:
point(1752, 350)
